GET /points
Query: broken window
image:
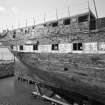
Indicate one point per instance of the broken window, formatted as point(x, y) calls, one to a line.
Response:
point(21, 47)
point(35, 47)
point(77, 46)
point(54, 46)
point(66, 22)
point(55, 24)
point(82, 18)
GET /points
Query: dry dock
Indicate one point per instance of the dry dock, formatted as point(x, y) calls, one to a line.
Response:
point(13, 92)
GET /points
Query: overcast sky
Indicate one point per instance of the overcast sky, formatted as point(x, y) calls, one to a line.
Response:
point(16, 12)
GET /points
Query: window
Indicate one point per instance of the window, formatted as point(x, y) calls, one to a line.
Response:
point(54, 46)
point(54, 24)
point(77, 46)
point(35, 47)
point(66, 22)
point(83, 18)
point(21, 47)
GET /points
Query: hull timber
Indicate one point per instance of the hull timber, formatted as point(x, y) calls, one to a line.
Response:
point(83, 74)
point(69, 53)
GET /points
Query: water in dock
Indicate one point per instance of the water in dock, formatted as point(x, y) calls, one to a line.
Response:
point(14, 92)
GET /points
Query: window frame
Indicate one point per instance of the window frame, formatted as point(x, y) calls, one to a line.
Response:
point(67, 21)
point(21, 47)
point(35, 47)
point(55, 47)
point(78, 46)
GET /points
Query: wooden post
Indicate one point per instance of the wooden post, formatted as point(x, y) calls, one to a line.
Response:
point(34, 21)
point(95, 8)
point(89, 19)
point(44, 18)
point(56, 15)
point(26, 22)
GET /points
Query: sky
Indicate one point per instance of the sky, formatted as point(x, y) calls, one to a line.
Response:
point(18, 13)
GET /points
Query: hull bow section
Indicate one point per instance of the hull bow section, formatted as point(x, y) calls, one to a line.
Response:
point(82, 74)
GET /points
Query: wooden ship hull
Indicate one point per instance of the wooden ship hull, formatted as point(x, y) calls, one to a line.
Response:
point(79, 73)
point(67, 54)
